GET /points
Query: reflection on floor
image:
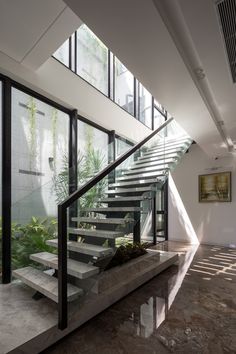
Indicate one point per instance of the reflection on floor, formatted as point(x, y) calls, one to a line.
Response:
point(189, 308)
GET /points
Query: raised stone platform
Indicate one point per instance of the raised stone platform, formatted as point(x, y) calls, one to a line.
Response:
point(115, 284)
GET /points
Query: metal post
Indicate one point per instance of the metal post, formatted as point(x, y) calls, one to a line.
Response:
point(137, 228)
point(154, 217)
point(62, 268)
point(6, 183)
point(73, 183)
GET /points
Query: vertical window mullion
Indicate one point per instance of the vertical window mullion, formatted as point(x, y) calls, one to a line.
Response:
point(6, 181)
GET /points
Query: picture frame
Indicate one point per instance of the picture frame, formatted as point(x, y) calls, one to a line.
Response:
point(215, 187)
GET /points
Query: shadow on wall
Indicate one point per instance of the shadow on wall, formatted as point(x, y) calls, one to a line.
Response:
point(181, 212)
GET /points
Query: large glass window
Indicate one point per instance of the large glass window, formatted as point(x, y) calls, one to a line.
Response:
point(92, 151)
point(93, 154)
point(122, 146)
point(40, 136)
point(145, 106)
point(159, 118)
point(92, 59)
point(62, 53)
point(124, 87)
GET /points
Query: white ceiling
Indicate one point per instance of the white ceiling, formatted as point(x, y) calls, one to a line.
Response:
point(163, 43)
point(31, 30)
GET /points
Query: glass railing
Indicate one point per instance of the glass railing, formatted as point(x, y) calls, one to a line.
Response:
point(113, 212)
point(110, 219)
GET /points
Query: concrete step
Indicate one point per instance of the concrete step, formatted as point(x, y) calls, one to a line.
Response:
point(141, 164)
point(111, 209)
point(137, 190)
point(96, 233)
point(147, 169)
point(123, 199)
point(171, 144)
point(133, 183)
point(76, 269)
point(158, 157)
point(169, 141)
point(162, 152)
point(92, 220)
point(141, 176)
point(44, 283)
point(85, 248)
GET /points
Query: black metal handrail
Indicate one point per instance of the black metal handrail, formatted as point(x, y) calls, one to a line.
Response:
point(62, 224)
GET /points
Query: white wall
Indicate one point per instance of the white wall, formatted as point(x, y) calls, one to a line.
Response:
point(57, 82)
point(189, 220)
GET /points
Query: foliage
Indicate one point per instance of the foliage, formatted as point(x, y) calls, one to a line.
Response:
point(30, 238)
point(54, 133)
point(32, 109)
point(127, 252)
point(88, 165)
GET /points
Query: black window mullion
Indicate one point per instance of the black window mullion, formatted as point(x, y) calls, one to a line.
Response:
point(6, 181)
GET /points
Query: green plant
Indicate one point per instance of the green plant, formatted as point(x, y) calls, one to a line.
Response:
point(54, 118)
point(31, 238)
point(127, 252)
point(32, 109)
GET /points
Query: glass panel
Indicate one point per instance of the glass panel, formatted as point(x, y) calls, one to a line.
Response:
point(39, 173)
point(122, 146)
point(0, 181)
point(92, 59)
point(93, 151)
point(145, 106)
point(124, 87)
point(62, 53)
point(159, 119)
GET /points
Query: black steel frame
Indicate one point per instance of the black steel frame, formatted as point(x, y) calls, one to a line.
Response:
point(7, 85)
point(62, 224)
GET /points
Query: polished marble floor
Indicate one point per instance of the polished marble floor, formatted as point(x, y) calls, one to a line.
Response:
point(189, 308)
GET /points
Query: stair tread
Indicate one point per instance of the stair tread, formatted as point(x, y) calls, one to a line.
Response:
point(147, 169)
point(96, 233)
point(169, 145)
point(93, 220)
point(154, 161)
point(83, 247)
point(114, 209)
point(44, 283)
point(155, 157)
point(122, 199)
point(128, 183)
point(169, 140)
point(142, 175)
point(77, 269)
point(163, 152)
point(130, 190)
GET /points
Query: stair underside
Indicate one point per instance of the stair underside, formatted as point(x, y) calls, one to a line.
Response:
point(85, 248)
point(77, 269)
point(45, 284)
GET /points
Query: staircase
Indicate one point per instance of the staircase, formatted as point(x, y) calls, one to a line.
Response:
point(94, 234)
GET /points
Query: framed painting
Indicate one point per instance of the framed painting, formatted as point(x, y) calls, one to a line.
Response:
point(215, 187)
